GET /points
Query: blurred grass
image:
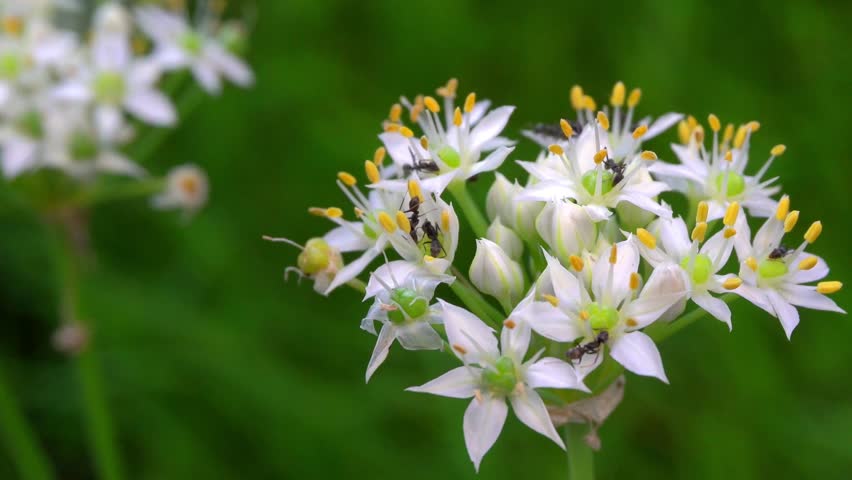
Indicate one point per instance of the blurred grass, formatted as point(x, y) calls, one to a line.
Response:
point(217, 369)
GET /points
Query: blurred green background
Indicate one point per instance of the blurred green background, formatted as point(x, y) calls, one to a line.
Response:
point(216, 368)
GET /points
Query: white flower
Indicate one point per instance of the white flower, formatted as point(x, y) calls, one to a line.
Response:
point(178, 45)
point(567, 229)
point(451, 148)
point(718, 176)
point(699, 266)
point(187, 188)
point(492, 375)
point(508, 240)
point(405, 314)
point(612, 304)
point(495, 273)
point(775, 276)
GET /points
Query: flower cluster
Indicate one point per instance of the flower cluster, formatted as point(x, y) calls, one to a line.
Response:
point(74, 99)
point(587, 262)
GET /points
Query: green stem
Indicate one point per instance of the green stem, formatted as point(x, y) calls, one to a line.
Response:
point(474, 301)
point(471, 210)
point(581, 461)
point(24, 449)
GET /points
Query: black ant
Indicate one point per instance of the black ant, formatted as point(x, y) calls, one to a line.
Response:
point(419, 165)
point(553, 131)
point(431, 231)
point(616, 168)
point(780, 252)
point(591, 348)
point(414, 218)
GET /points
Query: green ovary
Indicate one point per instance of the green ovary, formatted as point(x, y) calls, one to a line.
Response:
point(410, 303)
point(736, 183)
point(109, 87)
point(772, 268)
point(83, 147)
point(191, 42)
point(602, 317)
point(30, 124)
point(702, 268)
point(449, 156)
point(590, 180)
point(503, 378)
point(10, 66)
point(369, 232)
point(315, 257)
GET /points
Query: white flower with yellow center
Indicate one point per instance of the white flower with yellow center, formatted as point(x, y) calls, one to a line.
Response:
point(450, 149)
point(698, 264)
point(494, 374)
point(187, 189)
point(718, 176)
point(612, 303)
point(775, 275)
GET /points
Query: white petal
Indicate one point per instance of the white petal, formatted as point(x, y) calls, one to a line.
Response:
point(652, 303)
point(515, 341)
point(637, 353)
point(754, 295)
point(119, 164)
point(719, 249)
point(352, 270)
point(552, 372)
point(807, 297)
point(818, 272)
point(17, 157)
point(397, 146)
point(152, 107)
point(768, 236)
point(489, 127)
point(566, 287)
point(547, 190)
point(715, 307)
point(346, 238)
point(73, 92)
point(437, 184)
point(419, 336)
point(459, 382)
point(467, 331)
point(233, 68)
point(631, 195)
point(483, 421)
point(690, 158)
point(669, 171)
point(207, 78)
point(380, 352)
point(675, 237)
point(391, 273)
point(479, 109)
point(597, 213)
point(109, 121)
point(786, 313)
point(661, 124)
point(530, 409)
point(491, 162)
point(627, 262)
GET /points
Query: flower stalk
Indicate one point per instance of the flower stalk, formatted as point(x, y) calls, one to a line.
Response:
point(581, 461)
point(471, 210)
point(26, 453)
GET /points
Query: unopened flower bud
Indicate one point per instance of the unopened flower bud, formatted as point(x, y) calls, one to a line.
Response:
point(499, 197)
point(186, 188)
point(666, 280)
point(518, 215)
point(493, 272)
point(567, 229)
point(508, 240)
point(630, 216)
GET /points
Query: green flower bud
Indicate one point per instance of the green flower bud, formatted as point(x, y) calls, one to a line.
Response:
point(508, 240)
point(503, 378)
point(602, 317)
point(493, 272)
point(702, 268)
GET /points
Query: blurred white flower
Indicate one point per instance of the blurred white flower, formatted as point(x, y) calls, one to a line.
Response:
point(186, 189)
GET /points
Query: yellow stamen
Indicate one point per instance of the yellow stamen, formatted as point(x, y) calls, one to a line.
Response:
point(635, 96)
point(358, 212)
point(395, 113)
point(316, 211)
point(790, 221)
point(566, 128)
point(783, 208)
point(414, 189)
point(416, 110)
point(576, 97)
point(813, 232)
point(808, 263)
point(729, 232)
point(683, 132)
point(603, 120)
point(739, 139)
point(617, 97)
point(431, 104)
point(692, 122)
point(729, 133)
point(333, 212)
point(424, 142)
point(449, 90)
point(576, 262)
point(753, 126)
point(778, 150)
point(13, 25)
point(647, 238)
point(457, 117)
point(648, 155)
point(584, 314)
point(347, 178)
point(600, 156)
point(613, 254)
point(392, 127)
point(631, 322)
point(729, 157)
point(589, 103)
point(713, 120)
point(752, 263)
point(556, 149)
point(379, 156)
point(387, 222)
point(640, 130)
point(510, 324)
point(703, 211)
point(732, 283)
point(403, 222)
point(372, 172)
point(634, 280)
point(699, 231)
point(460, 349)
point(445, 220)
point(826, 288)
point(469, 102)
point(406, 132)
point(551, 300)
point(698, 133)
point(731, 214)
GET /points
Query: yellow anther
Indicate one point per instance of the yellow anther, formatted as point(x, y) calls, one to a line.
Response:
point(613, 254)
point(428, 258)
point(395, 113)
point(603, 120)
point(372, 172)
point(449, 90)
point(698, 133)
point(576, 263)
point(647, 238)
point(683, 132)
point(783, 208)
point(813, 232)
point(826, 288)
point(617, 97)
point(469, 102)
point(403, 222)
point(635, 96)
point(631, 322)
point(640, 131)
point(457, 117)
point(753, 126)
point(729, 133)
point(584, 314)
point(460, 349)
point(13, 25)
point(424, 142)
point(416, 110)
point(729, 157)
point(347, 178)
point(731, 214)
point(392, 127)
point(576, 97)
point(379, 156)
point(316, 211)
point(635, 279)
point(509, 323)
point(790, 221)
point(589, 103)
point(556, 149)
point(551, 300)
point(692, 122)
point(648, 155)
point(778, 150)
point(406, 132)
point(699, 231)
point(600, 156)
point(729, 232)
point(739, 138)
point(567, 130)
point(703, 211)
point(808, 263)
point(333, 212)
point(358, 212)
point(431, 104)
point(414, 189)
point(732, 283)
point(713, 120)
point(752, 263)
point(445, 220)
point(387, 222)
